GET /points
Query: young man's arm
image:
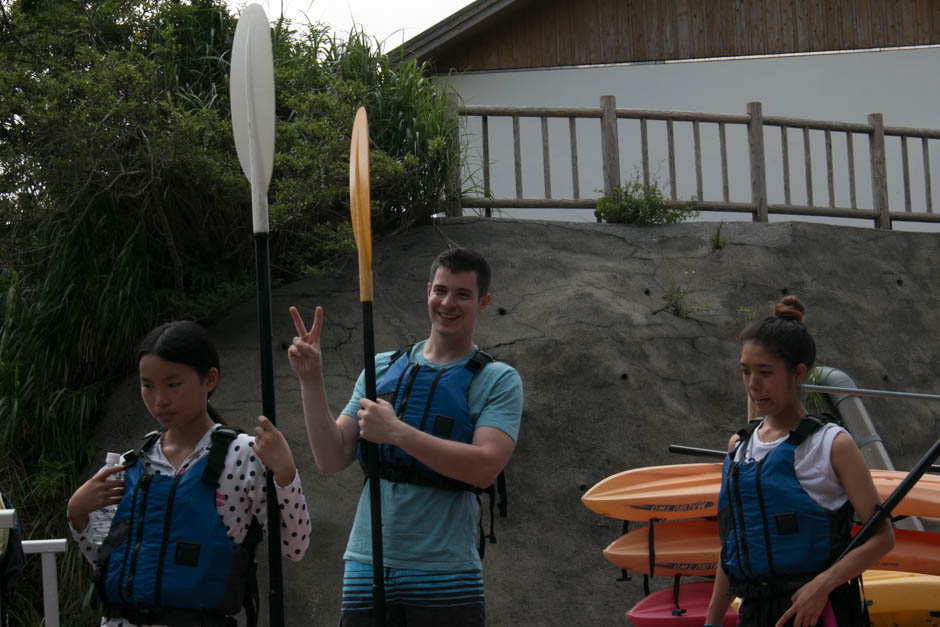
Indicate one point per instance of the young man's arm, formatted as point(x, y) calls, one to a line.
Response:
point(333, 441)
point(477, 463)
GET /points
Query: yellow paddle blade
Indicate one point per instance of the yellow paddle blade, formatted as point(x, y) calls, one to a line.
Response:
point(359, 201)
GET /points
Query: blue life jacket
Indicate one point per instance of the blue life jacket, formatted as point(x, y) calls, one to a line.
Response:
point(770, 528)
point(433, 400)
point(167, 558)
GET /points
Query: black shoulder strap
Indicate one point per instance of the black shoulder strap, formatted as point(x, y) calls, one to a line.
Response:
point(808, 426)
point(399, 353)
point(479, 360)
point(749, 429)
point(743, 435)
point(145, 444)
point(222, 437)
point(825, 417)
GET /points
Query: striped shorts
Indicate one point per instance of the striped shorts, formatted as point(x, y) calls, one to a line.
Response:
point(414, 597)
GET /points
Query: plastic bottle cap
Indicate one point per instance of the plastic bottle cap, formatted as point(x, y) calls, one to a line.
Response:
point(113, 459)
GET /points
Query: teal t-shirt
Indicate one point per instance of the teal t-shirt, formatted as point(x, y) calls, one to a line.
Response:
point(428, 528)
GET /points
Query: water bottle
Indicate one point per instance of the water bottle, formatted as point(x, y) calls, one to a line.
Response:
point(111, 460)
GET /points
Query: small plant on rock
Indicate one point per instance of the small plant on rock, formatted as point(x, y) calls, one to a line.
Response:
point(716, 241)
point(675, 301)
point(747, 313)
point(678, 304)
point(636, 202)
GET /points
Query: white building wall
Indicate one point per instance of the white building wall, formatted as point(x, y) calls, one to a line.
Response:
point(903, 85)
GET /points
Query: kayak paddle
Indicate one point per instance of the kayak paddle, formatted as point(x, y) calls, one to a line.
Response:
point(362, 230)
point(252, 94)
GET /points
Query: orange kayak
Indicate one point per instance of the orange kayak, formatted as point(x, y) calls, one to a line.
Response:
point(683, 491)
point(691, 547)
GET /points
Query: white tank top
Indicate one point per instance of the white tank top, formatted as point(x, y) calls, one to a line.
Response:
point(811, 461)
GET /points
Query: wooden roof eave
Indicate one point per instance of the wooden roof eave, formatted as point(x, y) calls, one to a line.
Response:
point(424, 45)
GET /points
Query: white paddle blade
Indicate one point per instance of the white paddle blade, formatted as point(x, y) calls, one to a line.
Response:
point(252, 95)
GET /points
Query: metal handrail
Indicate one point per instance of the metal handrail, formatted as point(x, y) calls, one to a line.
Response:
point(874, 393)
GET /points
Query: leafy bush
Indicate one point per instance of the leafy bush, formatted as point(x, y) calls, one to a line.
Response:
point(638, 203)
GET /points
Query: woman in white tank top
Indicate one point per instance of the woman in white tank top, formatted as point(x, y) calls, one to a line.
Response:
point(776, 355)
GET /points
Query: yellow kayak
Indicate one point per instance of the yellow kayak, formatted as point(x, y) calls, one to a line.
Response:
point(902, 598)
point(899, 599)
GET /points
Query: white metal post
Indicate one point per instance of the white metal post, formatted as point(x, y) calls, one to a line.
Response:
point(50, 583)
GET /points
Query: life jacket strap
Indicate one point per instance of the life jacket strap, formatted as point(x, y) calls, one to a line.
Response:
point(221, 438)
point(426, 478)
point(498, 488)
point(145, 443)
point(170, 616)
point(807, 427)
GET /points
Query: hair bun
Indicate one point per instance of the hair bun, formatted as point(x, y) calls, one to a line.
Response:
point(790, 308)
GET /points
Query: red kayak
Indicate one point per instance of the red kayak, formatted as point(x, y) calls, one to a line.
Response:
point(656, 610)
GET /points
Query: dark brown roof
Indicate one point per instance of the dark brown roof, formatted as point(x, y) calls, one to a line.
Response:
point(509, 34)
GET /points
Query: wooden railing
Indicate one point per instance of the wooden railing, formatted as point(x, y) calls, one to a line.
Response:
point(756, 126)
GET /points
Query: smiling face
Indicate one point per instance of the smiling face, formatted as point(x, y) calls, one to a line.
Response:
point(770, 383)
point(175, 394)
point(454, 303)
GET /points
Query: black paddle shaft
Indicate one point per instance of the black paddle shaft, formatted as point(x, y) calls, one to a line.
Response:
point(692, 450)
point(265, 335)
point(372, 471)
point(885, 509)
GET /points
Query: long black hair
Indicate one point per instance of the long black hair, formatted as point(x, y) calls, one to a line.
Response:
point(784, 333)
point(183, 342)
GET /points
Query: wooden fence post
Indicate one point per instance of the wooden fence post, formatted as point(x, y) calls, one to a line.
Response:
point(879, 173)
point(610, 145)
point(452, 191)
point(755, 141)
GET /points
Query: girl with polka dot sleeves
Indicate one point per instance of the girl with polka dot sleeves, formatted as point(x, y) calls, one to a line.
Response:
point(168, 495)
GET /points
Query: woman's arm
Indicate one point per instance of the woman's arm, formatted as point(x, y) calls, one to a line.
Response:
point(718, 606)
point(721, 599)
point(852, 472)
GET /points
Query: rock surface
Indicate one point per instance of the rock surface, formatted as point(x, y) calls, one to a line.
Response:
point(612, 377)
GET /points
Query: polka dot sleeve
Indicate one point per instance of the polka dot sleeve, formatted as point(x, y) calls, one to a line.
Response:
point(90, 538)
point(242, 494)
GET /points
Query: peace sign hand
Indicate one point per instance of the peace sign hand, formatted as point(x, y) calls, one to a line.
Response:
point(304, 352)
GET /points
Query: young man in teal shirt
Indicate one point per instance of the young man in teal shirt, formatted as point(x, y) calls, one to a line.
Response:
point(431, 460)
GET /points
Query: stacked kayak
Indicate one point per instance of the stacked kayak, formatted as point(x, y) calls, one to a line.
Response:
point(692, 547)
point(683, 491)
point(679, 503)
point(659, 608)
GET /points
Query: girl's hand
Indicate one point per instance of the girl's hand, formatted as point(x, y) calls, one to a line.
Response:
point(274, 452)
point(304, 352)
point(808, 604)
point(96, 493)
